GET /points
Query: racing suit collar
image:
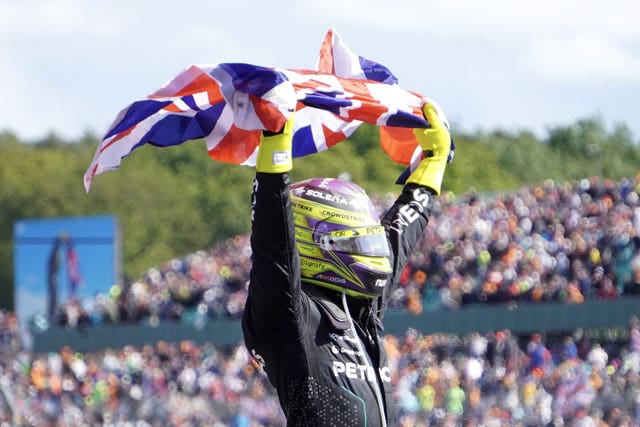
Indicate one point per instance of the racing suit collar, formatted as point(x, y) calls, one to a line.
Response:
point(330, 302)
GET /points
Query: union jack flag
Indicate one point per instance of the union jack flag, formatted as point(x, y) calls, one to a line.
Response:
point(73, 270)
point(229, 104)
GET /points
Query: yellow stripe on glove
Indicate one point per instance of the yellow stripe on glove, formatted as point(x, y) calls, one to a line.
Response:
point(436, 144)
point(274, 152)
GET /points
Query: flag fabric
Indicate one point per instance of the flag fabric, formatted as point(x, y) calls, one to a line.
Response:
point(396, 139)
point(73, 270)
point(229, 104)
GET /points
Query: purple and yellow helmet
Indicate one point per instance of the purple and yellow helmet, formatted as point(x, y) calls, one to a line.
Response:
point(341, 243)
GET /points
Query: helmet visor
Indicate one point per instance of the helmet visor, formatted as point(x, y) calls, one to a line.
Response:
point(369, 241)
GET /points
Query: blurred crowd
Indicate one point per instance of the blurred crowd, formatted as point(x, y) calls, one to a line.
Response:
point(493, 379)
point(564, 243)
point(561, 243)
point(200, 286)
point(167, 384)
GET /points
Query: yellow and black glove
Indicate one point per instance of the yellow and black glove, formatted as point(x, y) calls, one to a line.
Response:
point(436, 145)
point(274, 152)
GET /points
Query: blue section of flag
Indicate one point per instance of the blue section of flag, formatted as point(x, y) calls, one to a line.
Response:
point(303, 143)
point(405, 119)
point(137, 112)
point(377, 72)
point(191, 102)
point(175, 129)
point(329, 101)
point(252, 79)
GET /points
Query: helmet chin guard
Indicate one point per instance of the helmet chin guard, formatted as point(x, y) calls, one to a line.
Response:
point(341, 243)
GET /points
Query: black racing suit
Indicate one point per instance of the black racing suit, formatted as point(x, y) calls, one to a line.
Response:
point(300, 333)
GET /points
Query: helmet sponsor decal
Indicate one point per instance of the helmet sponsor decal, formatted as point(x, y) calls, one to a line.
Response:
point(331, 278)
point(314, 264)
point(323, 212)
point(334, 199)
point(381, 283)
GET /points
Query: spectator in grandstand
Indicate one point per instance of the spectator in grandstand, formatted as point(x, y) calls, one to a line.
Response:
point(9, 332)
point(552, 242)
point(324, 267)
point(632, 287)
point(503, 353)
point(566, 350)
point(538, 354)
point(182, 384)
point(597, 357)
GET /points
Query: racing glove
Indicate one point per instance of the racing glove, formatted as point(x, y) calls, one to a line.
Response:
point(436, 145)
point(274, 152)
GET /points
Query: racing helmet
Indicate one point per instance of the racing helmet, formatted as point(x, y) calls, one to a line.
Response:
point(340, 240)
